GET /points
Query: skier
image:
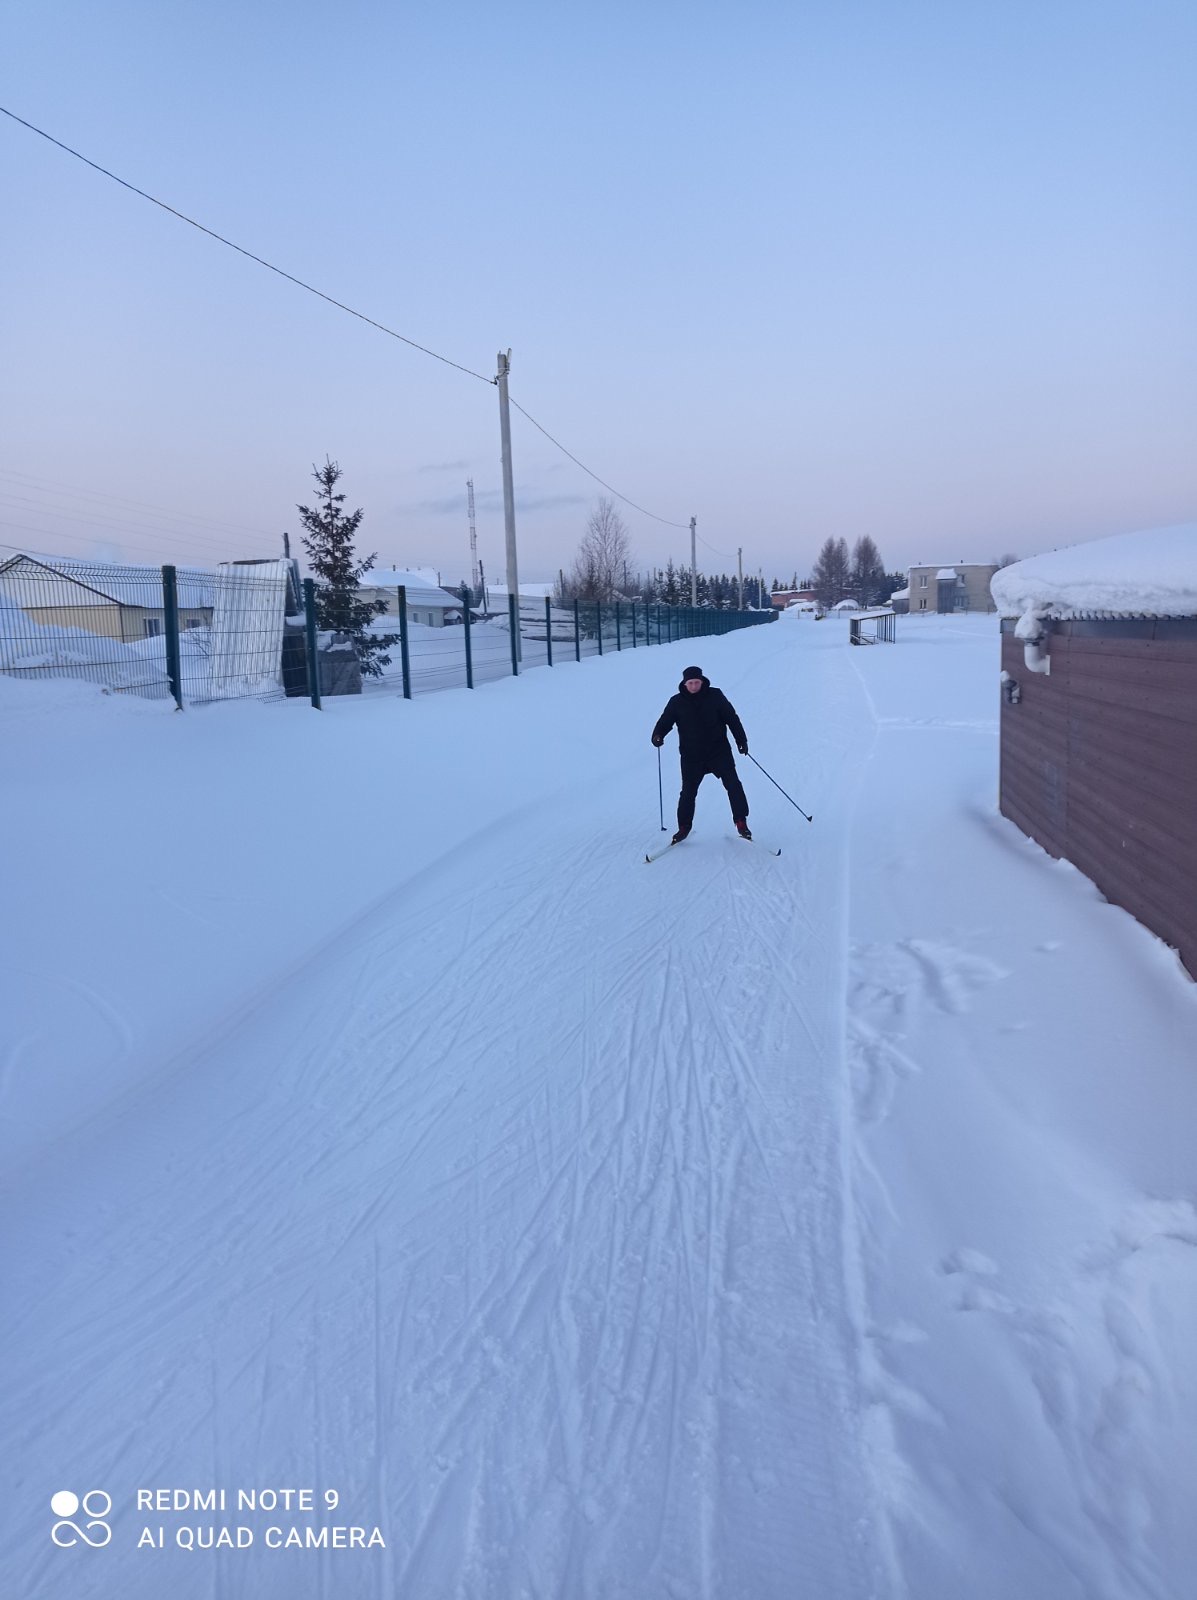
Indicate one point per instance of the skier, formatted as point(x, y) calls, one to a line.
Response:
point(703, 717)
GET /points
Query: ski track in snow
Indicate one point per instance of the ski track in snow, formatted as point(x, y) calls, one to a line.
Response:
point(535, 1249)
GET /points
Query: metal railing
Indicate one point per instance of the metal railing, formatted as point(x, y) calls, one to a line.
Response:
point(248, 629)
point(480, 648)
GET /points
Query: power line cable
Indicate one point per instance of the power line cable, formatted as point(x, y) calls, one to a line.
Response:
point(154, 552)
point(74, 491)
point(341, 306)
point(121, 523)
point(212, 234)
point(595, 475)
point(89, 560)
point(726, 554)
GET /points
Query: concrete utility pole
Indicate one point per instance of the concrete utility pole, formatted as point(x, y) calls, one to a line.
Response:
point(513, 577)
point(693, 565)
point(740, 570)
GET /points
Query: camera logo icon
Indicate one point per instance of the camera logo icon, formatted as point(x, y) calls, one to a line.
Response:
point(95, 1506)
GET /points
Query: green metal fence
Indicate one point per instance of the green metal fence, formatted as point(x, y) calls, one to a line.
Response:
point(479, 647)
point(160, 632)
point(248, 629)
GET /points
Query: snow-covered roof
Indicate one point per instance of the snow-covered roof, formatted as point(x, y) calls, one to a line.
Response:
point(1151, 573)
point(421, 590)
point(414, 577)
point(846, 605)
point(533, 591)
point(33, 581)
point(947, 572)
point(901, 594)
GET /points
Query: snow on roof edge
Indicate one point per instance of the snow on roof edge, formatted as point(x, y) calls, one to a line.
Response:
point(1149, 573)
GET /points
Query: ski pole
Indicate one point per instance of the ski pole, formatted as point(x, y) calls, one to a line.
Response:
point(777, 785)
point(660, 793)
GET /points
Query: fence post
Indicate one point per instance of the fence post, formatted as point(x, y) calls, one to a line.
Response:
point(618, 641)
point(633, 624)
point(598, 624)
point(404, 654)
point(465, 617)
point(513, 621)
point(577, 633)
point(548, 629)
point(170, 609)
point(309, 634)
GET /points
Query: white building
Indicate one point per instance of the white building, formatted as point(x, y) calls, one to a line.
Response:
point(426, 602)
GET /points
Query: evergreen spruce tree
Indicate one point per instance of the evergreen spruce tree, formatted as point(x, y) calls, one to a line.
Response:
point(329, 544)
point(669, 588)
point(868, 572)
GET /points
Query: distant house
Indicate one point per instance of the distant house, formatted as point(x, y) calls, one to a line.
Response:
point(936, 588)
point(113, 602)
point(900, 601)
point(427, 603)
point(782, 598)
point(1099, 718)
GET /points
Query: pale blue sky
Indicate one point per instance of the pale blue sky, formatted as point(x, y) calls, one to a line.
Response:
point(918, 270)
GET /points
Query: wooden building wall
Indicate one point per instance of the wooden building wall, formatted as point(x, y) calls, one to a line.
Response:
point(1099, 763)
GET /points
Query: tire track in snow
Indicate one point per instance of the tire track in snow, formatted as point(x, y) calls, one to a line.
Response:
point(576, 1250)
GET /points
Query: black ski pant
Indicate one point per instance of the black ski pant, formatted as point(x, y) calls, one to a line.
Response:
point(694, 770)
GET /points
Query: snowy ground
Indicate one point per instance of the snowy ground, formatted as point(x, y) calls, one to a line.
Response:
point(376, 1121)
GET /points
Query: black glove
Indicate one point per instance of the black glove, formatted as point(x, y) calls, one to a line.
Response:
point(658, 742)
point(743, 749)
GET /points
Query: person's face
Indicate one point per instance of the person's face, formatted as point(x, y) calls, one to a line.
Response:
point(694, 685)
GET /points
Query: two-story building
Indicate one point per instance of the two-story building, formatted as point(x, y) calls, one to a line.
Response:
point(939, 588)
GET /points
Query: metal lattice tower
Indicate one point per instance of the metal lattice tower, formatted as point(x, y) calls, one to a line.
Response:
point(475, 579)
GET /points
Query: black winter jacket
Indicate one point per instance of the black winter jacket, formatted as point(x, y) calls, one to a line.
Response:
point(703, 721)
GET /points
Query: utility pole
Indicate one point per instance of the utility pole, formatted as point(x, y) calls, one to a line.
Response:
point(740, 570)
point(513, 579)
point(473, 539)
point(693, 565)
point(287, 545)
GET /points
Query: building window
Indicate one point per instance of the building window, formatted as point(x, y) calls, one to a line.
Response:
point(923, 583)
point(923, 603)
point(152, 626)
point(193, 622)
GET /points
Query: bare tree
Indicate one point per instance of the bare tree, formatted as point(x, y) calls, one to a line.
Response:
point(603, 555)
point(831, 572)
point(1006, 560)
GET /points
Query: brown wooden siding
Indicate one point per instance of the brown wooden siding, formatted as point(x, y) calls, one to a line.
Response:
point(1099, 764)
